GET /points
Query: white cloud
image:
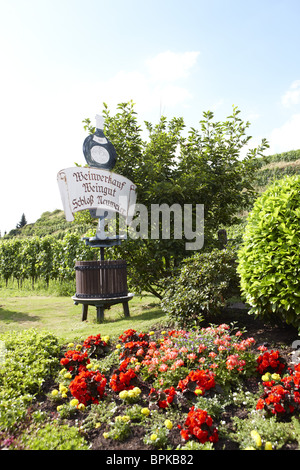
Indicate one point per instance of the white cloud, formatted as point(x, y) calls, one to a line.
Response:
point(252, 117)
point(292, 96)
point(286, 137)
point(155, 87)
point(170, 66)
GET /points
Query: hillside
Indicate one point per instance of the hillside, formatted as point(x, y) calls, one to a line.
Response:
point(52, 223)
point(274, 167)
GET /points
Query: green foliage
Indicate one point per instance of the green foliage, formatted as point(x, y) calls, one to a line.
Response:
point(204, 283)
point(42, 258)
point(269, 430)
point(119, 429)
point(269, 260)
point(290, 156)
point(55, 436)
point(30, 357)
point(52, 223)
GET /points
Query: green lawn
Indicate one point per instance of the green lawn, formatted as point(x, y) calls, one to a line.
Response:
point(60, 316)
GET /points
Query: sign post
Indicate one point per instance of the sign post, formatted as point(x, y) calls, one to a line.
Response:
point(104, 193)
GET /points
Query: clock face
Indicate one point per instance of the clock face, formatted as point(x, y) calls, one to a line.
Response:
point(99, 154)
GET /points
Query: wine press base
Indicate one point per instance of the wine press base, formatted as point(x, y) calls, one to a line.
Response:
point(101, 304)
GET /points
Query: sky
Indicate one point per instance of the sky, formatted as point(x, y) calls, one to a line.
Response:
point(61, 59)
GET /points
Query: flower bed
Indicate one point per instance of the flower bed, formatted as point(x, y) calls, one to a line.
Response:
point(173, 389)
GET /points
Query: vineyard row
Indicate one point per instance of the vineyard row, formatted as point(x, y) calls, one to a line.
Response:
point(42, 258)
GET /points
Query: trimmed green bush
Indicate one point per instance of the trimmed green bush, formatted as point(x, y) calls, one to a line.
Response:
point(269, 259)
point(204, 283)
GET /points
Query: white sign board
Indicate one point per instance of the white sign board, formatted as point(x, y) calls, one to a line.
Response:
point(93, 188)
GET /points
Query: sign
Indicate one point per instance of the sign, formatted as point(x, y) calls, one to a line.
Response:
point(95, 189)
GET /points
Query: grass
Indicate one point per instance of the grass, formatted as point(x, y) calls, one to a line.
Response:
point(23, 309)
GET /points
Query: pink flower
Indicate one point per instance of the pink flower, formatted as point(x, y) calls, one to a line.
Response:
point(177, 364)
point(235, 361)
point(192, 356)
point(214, 366)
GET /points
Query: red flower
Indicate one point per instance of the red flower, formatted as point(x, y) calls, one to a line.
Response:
point(121, 380)
point(95, 346)
point(163, 398)
point(198, 379)
point(88, 386)
point(282, 398)
point(74, 361)
point(270, 362)
point(199, 424)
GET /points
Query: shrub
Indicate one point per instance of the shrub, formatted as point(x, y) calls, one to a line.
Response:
point(204, 283)
point(269, 259)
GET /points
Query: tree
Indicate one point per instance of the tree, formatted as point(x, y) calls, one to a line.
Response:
point(202, 167)
point(22, 222)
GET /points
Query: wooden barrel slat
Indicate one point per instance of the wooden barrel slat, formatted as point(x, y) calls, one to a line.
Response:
point(101, 279)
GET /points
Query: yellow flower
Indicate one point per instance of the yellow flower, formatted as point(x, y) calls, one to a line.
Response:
point(163, 332)
point(198, 391)
point(123, 394)
point(62, 388)
point(106, 339)
point(81, 406)
point(105, 435)
point(249, 448)
point(118, 346)
point(151, 333)
point(256, 437)
point(71, 345)
point(54, 393)
point(97, 425)
point(68, 375)
point(124, 418)
point(153, 437)
point(131, 394)
point(63, 371)
point(275, 376)
point(59, 407)
point(266, 377)
point(268, 445)
point(78, 347)
point(137, 391)
point(168, 424)
point(89, 366)
point(74, 402)
point(145, 411)
point(64, 395)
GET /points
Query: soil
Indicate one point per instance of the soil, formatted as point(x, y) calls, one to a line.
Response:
point(277, 336)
